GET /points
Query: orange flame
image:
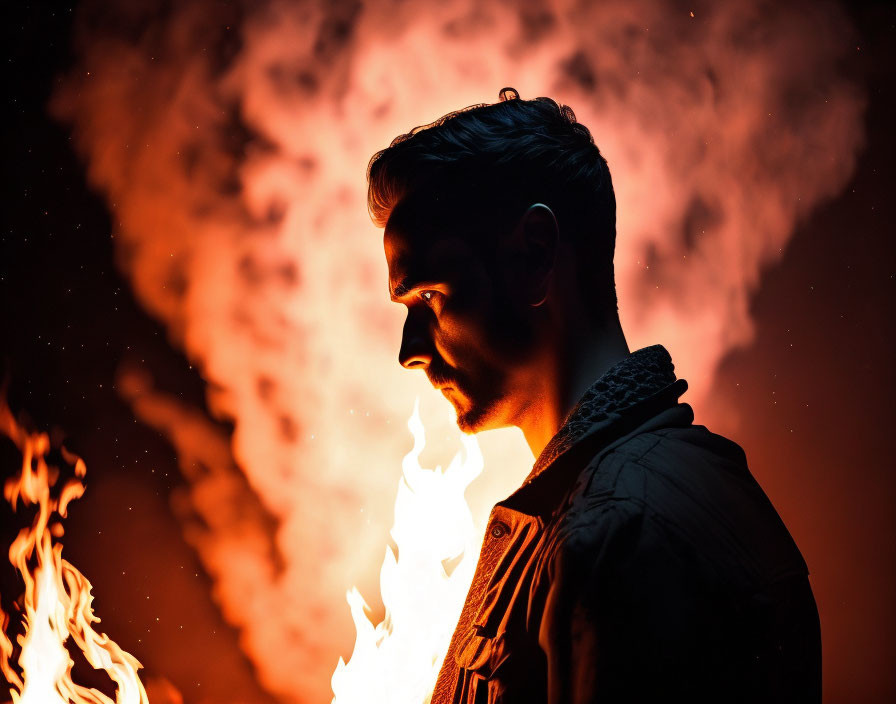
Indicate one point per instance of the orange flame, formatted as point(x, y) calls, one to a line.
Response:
point(423, 587)
point(57, 602)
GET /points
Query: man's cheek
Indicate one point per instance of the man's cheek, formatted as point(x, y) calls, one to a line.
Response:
point(457, 330)
point(461, 349)
point(509, 337)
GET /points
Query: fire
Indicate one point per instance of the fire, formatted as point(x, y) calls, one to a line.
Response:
point(57, 601)
point(423, 587)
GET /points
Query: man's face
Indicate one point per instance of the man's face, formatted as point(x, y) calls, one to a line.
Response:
point(463, 327)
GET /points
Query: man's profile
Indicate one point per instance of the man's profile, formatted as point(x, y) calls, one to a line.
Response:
point(639, 561)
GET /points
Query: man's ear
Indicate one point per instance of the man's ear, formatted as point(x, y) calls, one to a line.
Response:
point(532, 253)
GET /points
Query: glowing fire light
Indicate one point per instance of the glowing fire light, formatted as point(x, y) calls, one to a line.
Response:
point(57, 599)
point(423, 587)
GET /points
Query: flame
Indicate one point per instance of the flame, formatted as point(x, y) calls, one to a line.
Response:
point(423, 587)
point(57, 603)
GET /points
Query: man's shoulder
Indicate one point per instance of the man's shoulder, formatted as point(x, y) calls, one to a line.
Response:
point(645, 467)
point(683, 489)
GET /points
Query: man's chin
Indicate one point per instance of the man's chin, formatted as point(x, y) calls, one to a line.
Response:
point(471, 417)
point(474, 420)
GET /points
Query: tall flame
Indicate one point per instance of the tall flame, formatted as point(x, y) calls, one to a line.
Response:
point(57, 603)
point(423, 587)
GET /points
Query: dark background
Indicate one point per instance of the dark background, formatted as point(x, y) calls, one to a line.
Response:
point(815, 391)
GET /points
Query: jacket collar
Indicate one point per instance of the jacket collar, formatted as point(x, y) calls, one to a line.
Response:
point(637, 394)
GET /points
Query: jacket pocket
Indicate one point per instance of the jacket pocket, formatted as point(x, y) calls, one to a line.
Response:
point(483, 660)
point(483, 655)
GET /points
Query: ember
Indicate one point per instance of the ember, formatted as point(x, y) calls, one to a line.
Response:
point(57, 603)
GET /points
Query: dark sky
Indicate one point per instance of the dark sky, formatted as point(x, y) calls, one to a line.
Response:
point(815, 391)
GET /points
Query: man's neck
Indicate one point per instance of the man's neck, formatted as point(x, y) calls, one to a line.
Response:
point(570, 371)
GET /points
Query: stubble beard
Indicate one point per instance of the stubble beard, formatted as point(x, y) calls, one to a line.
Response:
point(476, 397)
point(471, 422)
point(477, 414)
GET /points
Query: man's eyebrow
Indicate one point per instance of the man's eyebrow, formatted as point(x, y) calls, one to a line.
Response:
point(406, 285)
point(403, 288)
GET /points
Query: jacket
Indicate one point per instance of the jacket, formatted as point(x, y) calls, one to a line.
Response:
point(640, 561)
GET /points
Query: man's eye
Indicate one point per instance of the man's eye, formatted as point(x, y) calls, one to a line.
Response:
point(429, 297)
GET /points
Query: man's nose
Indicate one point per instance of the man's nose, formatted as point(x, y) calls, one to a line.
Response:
point(416, 347)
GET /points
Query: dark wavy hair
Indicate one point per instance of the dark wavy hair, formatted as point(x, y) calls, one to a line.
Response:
point(496, 160)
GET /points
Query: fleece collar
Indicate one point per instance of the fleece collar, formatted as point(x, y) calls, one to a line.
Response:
point(640, 375)
point(629, 394)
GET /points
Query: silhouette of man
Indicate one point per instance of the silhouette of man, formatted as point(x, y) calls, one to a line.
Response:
point(639, 561)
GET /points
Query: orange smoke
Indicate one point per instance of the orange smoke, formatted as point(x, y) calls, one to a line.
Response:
point(231, 145)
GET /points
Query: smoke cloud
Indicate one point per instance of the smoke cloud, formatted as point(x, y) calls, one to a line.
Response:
point(231, 143)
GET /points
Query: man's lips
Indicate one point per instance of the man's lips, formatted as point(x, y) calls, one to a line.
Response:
point(440, 384)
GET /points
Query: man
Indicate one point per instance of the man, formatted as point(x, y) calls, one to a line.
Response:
point(639, 561)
